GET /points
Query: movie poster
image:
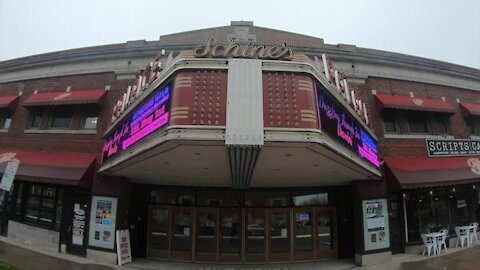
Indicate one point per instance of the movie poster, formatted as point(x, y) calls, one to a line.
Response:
point(102, 222)
point(376, 233)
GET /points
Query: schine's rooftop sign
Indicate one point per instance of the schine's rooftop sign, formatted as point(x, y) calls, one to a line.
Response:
point(235, 49)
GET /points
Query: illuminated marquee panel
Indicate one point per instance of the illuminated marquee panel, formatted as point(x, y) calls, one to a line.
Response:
point(148, 118)
point(336, 122)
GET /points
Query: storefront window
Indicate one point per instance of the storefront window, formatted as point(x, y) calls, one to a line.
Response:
point(476, 200)
point(18, 190)
point(433, 210)
point(267, 198)
point(219, 198)
point(59, 209)
point(310, 198)
point(173, 197)
point(40, 205)
point(461, 206)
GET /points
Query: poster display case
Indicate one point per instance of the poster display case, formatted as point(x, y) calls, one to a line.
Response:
point(103, 216)
point(376, 233)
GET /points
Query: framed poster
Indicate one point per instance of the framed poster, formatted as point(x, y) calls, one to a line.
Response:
point(376, 230)
point(103, 216)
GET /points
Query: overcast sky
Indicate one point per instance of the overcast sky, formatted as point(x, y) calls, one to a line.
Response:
point(438, 29)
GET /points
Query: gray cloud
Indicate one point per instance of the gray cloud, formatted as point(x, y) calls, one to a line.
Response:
point(442, 30)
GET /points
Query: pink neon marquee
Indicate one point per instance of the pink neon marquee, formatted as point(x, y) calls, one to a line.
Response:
point(148, 118)
point(147, 130)
point(372, 157)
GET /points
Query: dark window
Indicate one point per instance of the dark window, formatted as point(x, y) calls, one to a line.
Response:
point(310, 198)
point(62, 118)
point(417, 123)
point(390, 123)
point(471, 125)
point(267, 198)
point(443, 124)
point(219, 198)
point(90, 117)
point(177, 197)
point(476, 201)
point(40, 206)
point(90, 122)
point(35, 119)
point(5, 119)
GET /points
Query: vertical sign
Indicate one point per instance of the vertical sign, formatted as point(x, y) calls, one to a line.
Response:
point(9, 174)
point(78, 231)
point(124, 253)
point(376, 231)
point(103, 217)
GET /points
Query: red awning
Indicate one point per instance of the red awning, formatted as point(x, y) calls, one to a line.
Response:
point(64, 98)
point(53, 167)
point(416, 104)
point(470, 109)
point(9, 102)
point(424, 172)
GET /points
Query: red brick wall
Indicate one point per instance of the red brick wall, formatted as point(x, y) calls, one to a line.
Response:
point(16, 139)
point(263, 36)
point(414, 147)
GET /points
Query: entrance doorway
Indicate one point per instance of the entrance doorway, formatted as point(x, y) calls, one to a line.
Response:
point(315, 235)
point(237, 235)
point(77, 216)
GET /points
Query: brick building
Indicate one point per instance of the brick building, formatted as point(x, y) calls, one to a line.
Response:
point(237, 144)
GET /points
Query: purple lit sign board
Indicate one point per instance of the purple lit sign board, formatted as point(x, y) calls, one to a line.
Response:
point(340, 125)
point(148, 118)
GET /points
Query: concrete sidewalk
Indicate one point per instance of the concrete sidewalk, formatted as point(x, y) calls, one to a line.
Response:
point(29, 258)
point(26, 257)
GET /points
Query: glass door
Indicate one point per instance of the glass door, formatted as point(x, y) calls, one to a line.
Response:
point(304, 240)
point(230, 235)
point(279, 248)
point(255, 235)
point(181, 243)
point(207, 235)
point(159, 232)
point(326, 233)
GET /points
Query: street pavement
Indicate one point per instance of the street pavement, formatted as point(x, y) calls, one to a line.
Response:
point(25, 257)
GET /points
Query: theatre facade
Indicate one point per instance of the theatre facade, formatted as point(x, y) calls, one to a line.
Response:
point(236, 144)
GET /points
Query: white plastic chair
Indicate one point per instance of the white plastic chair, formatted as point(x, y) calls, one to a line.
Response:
point(461, 236)
point(441, 241)
point(428, 244)
point(473, 232)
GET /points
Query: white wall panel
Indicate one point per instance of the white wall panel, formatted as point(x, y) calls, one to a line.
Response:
point(244, 103)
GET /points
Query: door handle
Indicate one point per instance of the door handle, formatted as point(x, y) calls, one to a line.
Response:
point(69, 229)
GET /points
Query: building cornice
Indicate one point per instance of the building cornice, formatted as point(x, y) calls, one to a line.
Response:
point(126, 59)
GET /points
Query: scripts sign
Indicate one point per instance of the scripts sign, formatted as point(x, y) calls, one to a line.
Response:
point(453, 148)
